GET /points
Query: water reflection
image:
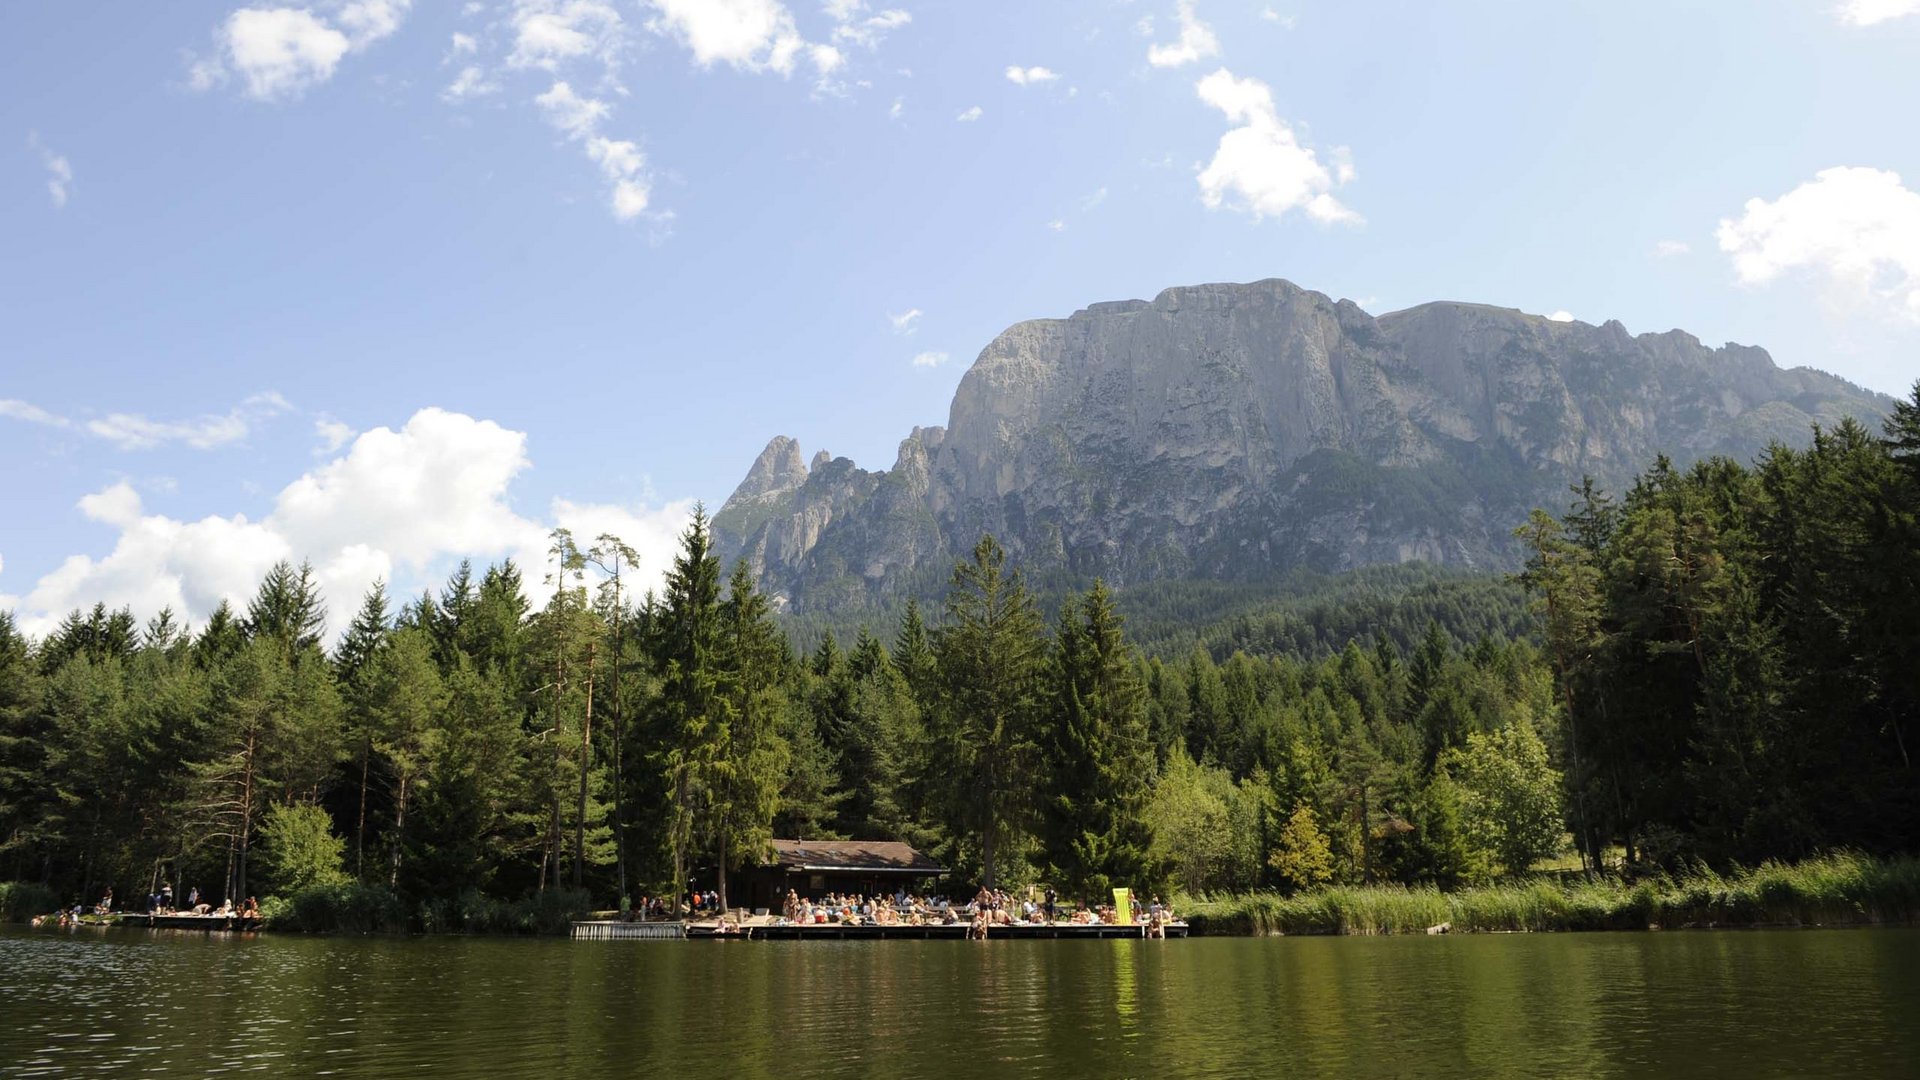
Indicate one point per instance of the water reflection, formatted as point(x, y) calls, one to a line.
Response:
point(1728, 1003)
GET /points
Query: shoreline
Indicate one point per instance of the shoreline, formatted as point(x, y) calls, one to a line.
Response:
point(1835, 890)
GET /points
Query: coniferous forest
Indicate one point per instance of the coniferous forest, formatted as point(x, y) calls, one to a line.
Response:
point(1718, 666)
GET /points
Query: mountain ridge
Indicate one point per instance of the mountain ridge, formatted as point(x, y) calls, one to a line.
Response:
point(1235, 431)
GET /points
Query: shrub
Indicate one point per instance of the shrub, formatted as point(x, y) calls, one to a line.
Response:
point(22, 900)
point(351, 908)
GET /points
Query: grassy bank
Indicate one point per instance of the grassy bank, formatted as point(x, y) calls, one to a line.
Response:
point(1836, 890)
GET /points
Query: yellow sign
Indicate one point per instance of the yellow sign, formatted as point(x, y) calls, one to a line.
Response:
point(1123, 907)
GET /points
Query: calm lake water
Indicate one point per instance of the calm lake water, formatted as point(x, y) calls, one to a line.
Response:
point(1770, 1003)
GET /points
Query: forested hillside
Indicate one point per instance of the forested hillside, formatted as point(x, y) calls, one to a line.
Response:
point(1727, 670)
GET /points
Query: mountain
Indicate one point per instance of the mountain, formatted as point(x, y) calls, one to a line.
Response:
point(1236, 432)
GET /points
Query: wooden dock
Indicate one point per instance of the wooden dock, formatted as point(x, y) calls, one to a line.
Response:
point(936, 932)
point(615, 930)
point(184, 921)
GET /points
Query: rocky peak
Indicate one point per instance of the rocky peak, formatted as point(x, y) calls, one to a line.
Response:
point(1233, 431)
point(779, 468)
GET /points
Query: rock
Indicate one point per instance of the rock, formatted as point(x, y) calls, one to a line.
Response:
point(1239, 431)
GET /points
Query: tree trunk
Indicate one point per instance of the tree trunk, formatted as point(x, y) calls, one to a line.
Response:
point(619, 821)
point(586, 763)
point(360, 829)
point(246, 818)
point(399, 833)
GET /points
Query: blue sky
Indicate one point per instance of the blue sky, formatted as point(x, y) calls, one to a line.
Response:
point(382, 283)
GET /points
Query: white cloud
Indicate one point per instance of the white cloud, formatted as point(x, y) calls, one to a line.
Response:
point(1093, 199)
point(116, 505)
point(333, 434)
point(1031, 76)
point(899, 107)
point(1869, 12)
point(463, 44)
point(853, 25)
point(969, 115)
point(1856, 228)
point(548, 33)
point(578, 117)
point(472, 82)
point(59, 170)
point(1667, 249)
point(368, 21)
point(1057, 225)
point(399, 505)
point(31, 413)
point(1259, 167)
point(929, 359)
point(133, 431)
point(753, 35)
point(1270, 15)
point(1196, 42)
point(620, 160)
point(281, 52)
point(1563, 315)
point(903, 323)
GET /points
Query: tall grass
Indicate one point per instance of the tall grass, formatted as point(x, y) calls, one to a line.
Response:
point(1840, 889)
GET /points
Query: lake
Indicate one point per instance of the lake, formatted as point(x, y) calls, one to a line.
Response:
point(1729, 1003)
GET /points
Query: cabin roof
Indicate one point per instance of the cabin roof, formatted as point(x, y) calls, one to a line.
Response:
point(865, 856)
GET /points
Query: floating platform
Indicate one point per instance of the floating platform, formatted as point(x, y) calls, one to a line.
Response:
point(184, 921)
point(616, 930)
point(949, 931)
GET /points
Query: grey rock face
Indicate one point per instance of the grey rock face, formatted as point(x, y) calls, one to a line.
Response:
point(1234, 431)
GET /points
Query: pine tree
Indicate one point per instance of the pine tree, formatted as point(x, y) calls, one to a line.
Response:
point(288, 608)
point(748, 759)
point(692, 697)
point(991, 656)
point(365, 637)
point(408, 698)
point(1098, 754)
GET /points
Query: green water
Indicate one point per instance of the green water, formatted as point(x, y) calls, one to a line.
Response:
point(1771, 1003)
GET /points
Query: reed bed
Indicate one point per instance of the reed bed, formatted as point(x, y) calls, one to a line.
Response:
point(1844, 889)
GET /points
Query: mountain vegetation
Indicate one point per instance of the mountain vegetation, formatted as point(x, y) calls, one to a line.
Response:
point(1721, 669)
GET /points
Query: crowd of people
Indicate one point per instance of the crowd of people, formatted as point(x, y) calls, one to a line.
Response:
point(162, 903)
point(988, 908)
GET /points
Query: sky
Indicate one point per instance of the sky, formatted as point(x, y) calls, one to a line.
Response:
point(383, 284)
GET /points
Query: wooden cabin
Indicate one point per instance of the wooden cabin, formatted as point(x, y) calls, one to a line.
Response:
point(814, 868)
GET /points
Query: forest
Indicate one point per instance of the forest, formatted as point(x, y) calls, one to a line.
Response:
point(1715, 668)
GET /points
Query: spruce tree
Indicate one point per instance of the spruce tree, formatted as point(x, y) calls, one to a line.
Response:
point(692, 695)
point(1098, 754)
point(992, 654)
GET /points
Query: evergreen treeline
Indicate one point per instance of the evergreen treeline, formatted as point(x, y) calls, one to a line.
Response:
point(1304, 614)
point(1737, 650)
point(1727, 672)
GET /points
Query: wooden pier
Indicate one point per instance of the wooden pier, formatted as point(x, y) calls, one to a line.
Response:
point(614, 930)
point(184, 921)
point(949, 931)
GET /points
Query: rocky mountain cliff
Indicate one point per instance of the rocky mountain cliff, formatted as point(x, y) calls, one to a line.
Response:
point(1238, 431)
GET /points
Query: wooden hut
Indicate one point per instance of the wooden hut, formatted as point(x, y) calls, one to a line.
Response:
point(814, 868)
